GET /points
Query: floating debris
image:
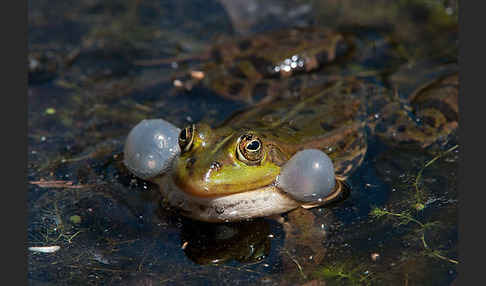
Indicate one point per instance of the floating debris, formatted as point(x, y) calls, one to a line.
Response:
point(184, 245)
point(58, 184)
point(45, 249)
point(199, 75)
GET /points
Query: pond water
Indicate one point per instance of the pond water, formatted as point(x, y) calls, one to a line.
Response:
point(97, 68)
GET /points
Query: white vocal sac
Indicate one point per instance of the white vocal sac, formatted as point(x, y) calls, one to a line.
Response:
point(150, 148)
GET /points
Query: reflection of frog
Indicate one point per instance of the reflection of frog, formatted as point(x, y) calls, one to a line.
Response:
point(244, 242)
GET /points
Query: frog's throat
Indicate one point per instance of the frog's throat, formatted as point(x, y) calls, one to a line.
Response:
point(261, 202)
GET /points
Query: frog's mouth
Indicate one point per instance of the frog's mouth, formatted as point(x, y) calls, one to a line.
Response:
point(264, 201)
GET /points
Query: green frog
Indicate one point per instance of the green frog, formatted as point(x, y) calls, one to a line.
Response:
point(231, 172)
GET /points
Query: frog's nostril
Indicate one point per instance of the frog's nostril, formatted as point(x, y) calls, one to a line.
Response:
point(190, 162)
point(215, 165)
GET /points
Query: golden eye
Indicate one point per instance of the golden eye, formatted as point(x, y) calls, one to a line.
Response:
point(186, 137)
point(249, 149)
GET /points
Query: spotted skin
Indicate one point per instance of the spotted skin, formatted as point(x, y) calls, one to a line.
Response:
point(429, 114)
point(246, 69)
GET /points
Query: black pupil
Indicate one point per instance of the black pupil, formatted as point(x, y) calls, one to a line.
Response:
point(183, 135)
point(254, 145)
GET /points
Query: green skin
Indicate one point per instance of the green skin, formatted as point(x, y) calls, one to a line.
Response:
point(212, 166)
point(284, 128)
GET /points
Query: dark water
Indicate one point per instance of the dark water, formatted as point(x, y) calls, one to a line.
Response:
point(86, 93)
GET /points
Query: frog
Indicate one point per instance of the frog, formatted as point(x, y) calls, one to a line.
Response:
point(233, 171)
point(230, 172)
point(244, 69)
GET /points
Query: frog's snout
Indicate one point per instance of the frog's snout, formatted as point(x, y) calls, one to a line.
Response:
point(215, 165)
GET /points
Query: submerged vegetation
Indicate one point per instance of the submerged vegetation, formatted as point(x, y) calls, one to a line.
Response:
point(344, 274)
point(419, 193)
point(53, 229)
point(409, 216)
point(409, 224)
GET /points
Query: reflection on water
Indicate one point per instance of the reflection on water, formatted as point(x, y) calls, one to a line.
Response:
point(244, 242)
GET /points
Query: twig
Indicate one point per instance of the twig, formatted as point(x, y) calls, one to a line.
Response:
point(58, 184)
point(296, 263)
point(241, 269)
point(45, 249)
point(445, 258)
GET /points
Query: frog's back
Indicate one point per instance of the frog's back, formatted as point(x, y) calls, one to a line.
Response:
point(245, 69)
point(271, 48)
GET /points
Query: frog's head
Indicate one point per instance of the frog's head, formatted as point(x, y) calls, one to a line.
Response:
point(223, 161)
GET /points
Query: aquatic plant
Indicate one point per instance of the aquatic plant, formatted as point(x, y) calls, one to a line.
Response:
point(344, 274)
point(409, 216)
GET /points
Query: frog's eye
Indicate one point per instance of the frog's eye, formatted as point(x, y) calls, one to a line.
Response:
point(186, 137)
point(249, 149)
